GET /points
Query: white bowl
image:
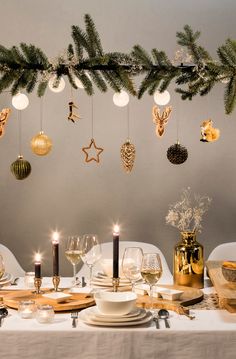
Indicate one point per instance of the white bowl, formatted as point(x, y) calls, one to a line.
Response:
point(115, 303)
point(107, 267)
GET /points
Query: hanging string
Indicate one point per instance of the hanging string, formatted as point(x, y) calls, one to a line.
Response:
point(92, 113)
point(128, 124)
point(41, 114)
point(177, 120)
point(71, 94)
point(19, 131)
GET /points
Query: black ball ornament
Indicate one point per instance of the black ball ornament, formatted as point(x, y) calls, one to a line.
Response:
point(177, 154)
point(20, 168)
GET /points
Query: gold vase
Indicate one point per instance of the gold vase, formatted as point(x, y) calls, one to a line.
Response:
point(188, 261)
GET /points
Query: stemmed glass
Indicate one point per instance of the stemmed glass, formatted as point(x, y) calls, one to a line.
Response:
point(131, 264)
point(91, 251)
point(73, 254)
point(151, 271)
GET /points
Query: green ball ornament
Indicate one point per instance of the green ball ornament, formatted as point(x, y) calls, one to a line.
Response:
point(20, 168)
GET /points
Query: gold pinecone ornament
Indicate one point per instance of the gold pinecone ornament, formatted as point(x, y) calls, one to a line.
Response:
point(41, 144)
point(127, 153)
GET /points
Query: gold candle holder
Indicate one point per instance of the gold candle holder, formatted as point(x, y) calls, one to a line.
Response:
point(37, 284)
point(56, 282)
point(115, 284)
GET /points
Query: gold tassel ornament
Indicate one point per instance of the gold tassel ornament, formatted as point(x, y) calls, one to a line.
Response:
point(127, 153)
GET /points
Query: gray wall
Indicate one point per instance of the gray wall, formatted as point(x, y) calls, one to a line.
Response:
point(65, 193)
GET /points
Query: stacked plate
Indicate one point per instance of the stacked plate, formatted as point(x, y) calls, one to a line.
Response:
point(6, 279)
point(92, 316)
point(101, 280)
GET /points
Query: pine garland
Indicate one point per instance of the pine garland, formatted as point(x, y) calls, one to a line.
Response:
point(26, 67)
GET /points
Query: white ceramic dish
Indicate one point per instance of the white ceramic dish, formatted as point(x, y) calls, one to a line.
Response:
point(167, 293)
point(131, 314)
point(115, 303)
point(85, 316)
point(57, 296)
point(4, 276)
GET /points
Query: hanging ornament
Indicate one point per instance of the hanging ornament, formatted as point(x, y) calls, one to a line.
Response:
point(4, 114)
point(20, 101)
point(209, 133)
point(121, 99)
point(41, 144)
point(160, 119)
point(177, 154)
point(56, 85)
point(92, 146)
point(161, 98)
point(78, 83)
point(72, 115)
point(20, 168)
point(127, 153)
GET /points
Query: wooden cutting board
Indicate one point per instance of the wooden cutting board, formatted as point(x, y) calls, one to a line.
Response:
point(226, 290)
point(75, 302)
point(190, 296)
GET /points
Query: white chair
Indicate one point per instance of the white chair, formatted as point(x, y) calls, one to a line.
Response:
point(107, 252)
point(11, 264)
point(225, 251)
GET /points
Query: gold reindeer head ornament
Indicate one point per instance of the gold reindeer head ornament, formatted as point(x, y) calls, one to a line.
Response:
point(4, 114)
point(161, 119)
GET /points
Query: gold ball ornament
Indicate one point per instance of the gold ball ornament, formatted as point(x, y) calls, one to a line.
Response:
point(127, 153)
point(41, 144)
point(21, 168)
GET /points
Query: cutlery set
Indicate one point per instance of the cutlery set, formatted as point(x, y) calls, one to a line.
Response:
point(162, 314)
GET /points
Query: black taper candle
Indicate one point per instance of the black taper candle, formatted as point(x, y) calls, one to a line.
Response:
point(37, 270)
point(116, 254)
point(55, 255)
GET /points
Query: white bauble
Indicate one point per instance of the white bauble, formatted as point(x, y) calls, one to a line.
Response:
point(60, 87)
point(161, 98)
point(121, 99)
point(20, 101)
point(78, 83)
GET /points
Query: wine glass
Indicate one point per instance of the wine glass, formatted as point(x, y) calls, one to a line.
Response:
point(151, 271)
point(73, 253)
point(90, 251)
point(131, 264)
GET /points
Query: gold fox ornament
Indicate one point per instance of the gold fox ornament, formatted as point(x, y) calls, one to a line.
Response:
point(208, 132)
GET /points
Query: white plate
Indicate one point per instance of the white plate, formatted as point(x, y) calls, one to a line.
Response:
point(84, 315)
point(94, 316)
point(5, 276)
point(133, 313)
point(6, 281)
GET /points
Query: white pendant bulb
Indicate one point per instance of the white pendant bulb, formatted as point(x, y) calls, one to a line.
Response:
point(20, 101)
point(161, 98)
point(121, 99)
point(60, 87)
point(78, 83)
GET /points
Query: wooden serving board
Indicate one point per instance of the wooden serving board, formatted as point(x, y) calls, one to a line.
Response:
point(226, 290)
point(190, 296)
point(75, 302)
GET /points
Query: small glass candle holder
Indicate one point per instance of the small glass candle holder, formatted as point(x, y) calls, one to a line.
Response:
point(45, 313)
point(27, 309)
point(29, 279)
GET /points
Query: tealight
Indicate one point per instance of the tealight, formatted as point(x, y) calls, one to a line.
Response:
point(27, 309)
point(45, 313)
point(29, 279)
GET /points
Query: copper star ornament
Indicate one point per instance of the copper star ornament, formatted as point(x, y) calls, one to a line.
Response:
point(92, 146)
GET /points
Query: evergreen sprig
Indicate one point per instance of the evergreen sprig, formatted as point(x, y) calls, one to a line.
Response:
point(26, 67)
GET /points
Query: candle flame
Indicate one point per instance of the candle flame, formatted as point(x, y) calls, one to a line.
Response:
point(55, 236)
point(37, 257)
point(116, 229)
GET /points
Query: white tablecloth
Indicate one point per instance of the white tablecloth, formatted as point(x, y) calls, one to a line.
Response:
point(212, 335)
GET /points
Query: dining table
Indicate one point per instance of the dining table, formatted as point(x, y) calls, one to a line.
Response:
point(211, 335)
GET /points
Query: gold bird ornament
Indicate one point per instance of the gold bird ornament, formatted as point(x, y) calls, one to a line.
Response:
point(161, 119)
point(4, 115)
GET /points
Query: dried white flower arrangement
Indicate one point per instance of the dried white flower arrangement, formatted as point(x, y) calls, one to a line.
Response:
point(187, 214)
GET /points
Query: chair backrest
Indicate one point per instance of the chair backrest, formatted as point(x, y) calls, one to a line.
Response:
point(11, 264)
point(225, 251)
point(107, 252)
